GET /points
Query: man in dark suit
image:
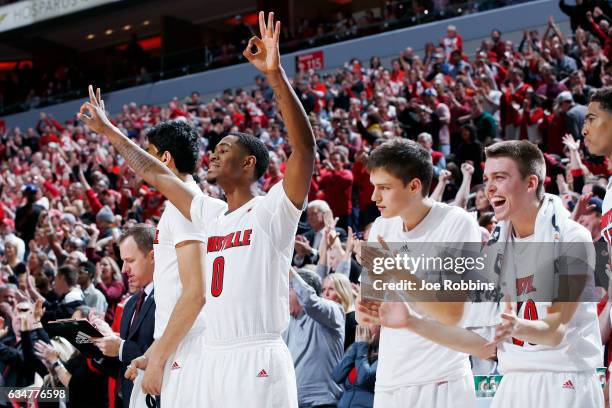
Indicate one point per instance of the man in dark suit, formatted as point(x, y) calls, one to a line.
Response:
point(307, 245)
point(138, 319)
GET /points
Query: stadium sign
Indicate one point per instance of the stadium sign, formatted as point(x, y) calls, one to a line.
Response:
point(28, 12)
point(312, 60)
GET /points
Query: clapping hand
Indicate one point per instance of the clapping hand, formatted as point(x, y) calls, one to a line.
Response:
point(568, 140)
point(302, 246)
point(363, 333)
point(396, 315)
point(46, 352)
point(507, 327)
point(583, 206)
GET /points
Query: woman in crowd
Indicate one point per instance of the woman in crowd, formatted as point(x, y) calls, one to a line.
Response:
point(357, 369)
point(109, 281)
point(10, 253)
point(337, 287)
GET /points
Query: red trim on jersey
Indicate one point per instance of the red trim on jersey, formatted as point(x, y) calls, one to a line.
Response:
point(606, 227)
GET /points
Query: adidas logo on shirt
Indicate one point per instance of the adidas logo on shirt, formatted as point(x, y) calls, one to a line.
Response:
point(568, 384)
point(82, 338)
point(262, 373)
point(175, 366)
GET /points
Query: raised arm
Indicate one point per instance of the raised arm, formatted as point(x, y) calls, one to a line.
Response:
point(266, 58)
point(323, 311)
point(461, 198)
point(146, 166)
point(443, 180)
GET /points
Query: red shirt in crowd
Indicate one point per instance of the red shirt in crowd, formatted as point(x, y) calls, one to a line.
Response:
point(336, 188)
point(48, 138)
point(177, 113)
point(152, 204)
point(362, 181)
point(529, 119)
point(451, 44)
point(557, 128)
point(510, 115)
point(270, 181)
point(604, 38)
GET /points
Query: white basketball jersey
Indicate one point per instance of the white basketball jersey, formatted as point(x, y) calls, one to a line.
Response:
point(580, 349)
point(606, 219)
point(173, 229)
point(606, 225)
point(247, 266)
point(405, 358)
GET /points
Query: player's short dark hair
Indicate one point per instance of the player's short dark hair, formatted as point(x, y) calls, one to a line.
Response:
point(143, 235)
point(312, 279)
point(180, 140)
point(255, 147)
point(405, 160)
point(527, 156)
point(604, 97)
point(69, 273)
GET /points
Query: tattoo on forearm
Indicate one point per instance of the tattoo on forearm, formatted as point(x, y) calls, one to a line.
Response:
point(139, 161)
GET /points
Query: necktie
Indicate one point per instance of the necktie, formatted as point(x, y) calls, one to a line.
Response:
point(139, 302)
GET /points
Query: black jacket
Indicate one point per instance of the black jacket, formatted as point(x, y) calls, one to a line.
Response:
point(138, 338)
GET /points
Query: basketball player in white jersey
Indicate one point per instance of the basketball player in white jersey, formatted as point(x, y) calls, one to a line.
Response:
point(249, 248)
point(549, 362)
point(412, 370)
point(597, 133)
point(548, 351)
point(176, 354)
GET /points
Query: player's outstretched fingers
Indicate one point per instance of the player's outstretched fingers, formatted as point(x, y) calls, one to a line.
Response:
point(92, 96)
point(262, 24)
point(277, 31)
point(270, 26)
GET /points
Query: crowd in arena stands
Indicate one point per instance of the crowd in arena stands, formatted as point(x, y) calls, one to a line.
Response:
point(66, 197)
point(29, 87)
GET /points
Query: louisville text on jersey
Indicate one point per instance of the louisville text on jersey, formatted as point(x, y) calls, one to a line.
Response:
point(235, 239)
